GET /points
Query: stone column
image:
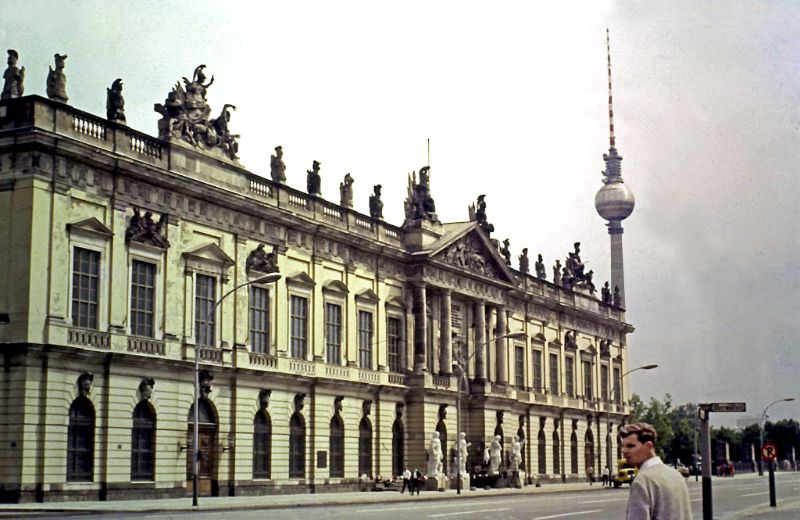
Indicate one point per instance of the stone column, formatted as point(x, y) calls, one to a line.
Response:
point(502, 347)
point(420, 328)
point(480, 340)
point(446, 345)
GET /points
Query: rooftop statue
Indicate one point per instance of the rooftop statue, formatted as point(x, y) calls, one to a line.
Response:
point(605, 293)
point(346, 191)
point(617, 299)
point(419, 204)
point(557, 272)
point(375, 202)
point(524, 266)
point(13, 77)
point(574, 270)
point(277, 168)
point(540, 272)
point(506, 252)
point(480, 216)
point(57, 80)
point(313, 179)
point(186, 116)
point(115, 103)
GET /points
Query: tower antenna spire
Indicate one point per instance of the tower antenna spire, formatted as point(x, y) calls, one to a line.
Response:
point(429, 152)
point(611, 138)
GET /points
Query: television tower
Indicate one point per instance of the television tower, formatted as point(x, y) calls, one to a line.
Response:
point(614, 201)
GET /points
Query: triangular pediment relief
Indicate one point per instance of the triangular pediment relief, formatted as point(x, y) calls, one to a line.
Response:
point(394, 301)
point(301, 278)
point(367, 296)
point(335, 286)
point(470, 250)
point(211, 253)
point(539, 338)
point(90, 226)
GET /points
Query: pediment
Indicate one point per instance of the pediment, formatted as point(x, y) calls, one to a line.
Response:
point(90, 226)
point(367, 296)
point(210, 253)
point(539, 338)
point(394, 301)
point(301, 278)
point(335, 286)
point(472, 251)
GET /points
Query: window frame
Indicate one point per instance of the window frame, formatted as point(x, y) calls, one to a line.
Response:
point(366, 339)
point(76, 464)
point(142, 456)
point(214, 332)
point(266, 312)
point(262, 445)
point(296, 343)
point(333, 345)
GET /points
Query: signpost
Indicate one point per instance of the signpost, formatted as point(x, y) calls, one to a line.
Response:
point(768, 453)
point(705, 446)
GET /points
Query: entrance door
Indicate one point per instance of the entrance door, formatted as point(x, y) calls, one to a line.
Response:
point(207, 440)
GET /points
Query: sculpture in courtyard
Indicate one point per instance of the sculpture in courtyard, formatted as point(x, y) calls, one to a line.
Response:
point(57, 80)
point(435, 456)
point(186, 115)
point(277, 168)
point(14, 77)
point(462, 447)
point(115, 103)
point(375, 202)
point(313, 179)
point(346, 191)
point(495, 455)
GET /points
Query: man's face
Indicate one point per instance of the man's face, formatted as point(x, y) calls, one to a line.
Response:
point(636, 452)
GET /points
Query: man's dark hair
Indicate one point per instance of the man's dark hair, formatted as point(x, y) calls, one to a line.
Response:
point(644, 432)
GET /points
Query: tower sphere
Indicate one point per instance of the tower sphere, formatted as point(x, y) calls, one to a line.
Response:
point(614, 201)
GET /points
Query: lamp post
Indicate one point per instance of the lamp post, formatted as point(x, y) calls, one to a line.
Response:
point(459, 366)
point(269, 278)
point(618, 385)
point(762, 423)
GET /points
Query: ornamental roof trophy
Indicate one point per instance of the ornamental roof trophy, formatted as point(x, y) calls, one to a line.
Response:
point(13, 77)
point(419, 204)
point(57, 80)
point(115, 103)
point(186, 117)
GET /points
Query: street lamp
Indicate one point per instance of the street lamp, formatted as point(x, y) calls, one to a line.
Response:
point(462, 379)
point(761, 425)
point(618, 385)
point(269, 278)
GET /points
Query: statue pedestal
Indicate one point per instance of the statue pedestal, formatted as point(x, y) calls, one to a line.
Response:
point(436, 483)
point(517, 479)
point(465, 482)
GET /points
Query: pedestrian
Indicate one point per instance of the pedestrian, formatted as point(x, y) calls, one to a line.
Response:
point(590, 475)
point(406, 481)
point(417, 480)
point(658, 491)
point(604, 476)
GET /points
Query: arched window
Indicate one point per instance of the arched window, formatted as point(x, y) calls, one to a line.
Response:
point(365, 448)
point(573, 452)
point(337, 447)
point(262, 445)
point(297, 446)
point(588, 450)
point(542, 452)
point(398, 447)
point(143, 442)
point(556, 453)
point(80, 441)
point(442, 429)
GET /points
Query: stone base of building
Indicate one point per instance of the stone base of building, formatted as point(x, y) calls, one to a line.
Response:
point(436, 483)
point(465, 482)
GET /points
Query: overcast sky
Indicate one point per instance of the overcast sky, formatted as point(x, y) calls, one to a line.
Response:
point(512, 96)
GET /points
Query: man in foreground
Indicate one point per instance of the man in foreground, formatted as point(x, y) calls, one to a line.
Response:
point(658, 492)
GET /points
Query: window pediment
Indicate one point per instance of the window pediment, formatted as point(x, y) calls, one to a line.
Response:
point(301, 278)
point(90, 227)
point(396, 302)
point(335, 287)
point(209, 258)
point(367, 296)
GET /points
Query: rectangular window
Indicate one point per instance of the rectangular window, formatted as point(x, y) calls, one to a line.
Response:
point(569, 376)
point(365, 339)
point(588, 380)
point(394, 337)
point(604, 382)
point(333, 333)
point(537, 371)
point(299, 326)
point(204, 319)
point(85, 287)
point(143, 277)
point(519, 367)
point(617, 386)
point(259, 319)
point(554, 370)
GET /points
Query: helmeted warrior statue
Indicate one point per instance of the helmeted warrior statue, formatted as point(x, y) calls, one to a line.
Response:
point(419, 204)
point(277, 168)
point(346, 191)
point(187, 116)
point(480, 216)
point(14, 77)
point(115, 103)
point(57, 80)
point(506, 252)
point(375, 202)
point(313, 179)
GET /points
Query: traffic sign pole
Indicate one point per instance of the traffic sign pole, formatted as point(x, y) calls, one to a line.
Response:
point(705, 448)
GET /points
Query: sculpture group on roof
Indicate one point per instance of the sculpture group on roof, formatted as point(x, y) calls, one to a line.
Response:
point(574, 275)
point(186, 115)
point(419, 204)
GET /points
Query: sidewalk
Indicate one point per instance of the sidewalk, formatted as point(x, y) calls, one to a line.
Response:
point(284, 501)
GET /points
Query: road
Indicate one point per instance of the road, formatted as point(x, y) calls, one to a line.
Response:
point(731, 497)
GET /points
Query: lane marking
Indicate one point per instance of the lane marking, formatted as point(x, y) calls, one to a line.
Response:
point(574, 513)
point(620, 499)
point(468, 512)
point(755, 494)
point(418, 506)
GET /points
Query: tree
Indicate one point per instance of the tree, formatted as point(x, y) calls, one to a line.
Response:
point(675, 426)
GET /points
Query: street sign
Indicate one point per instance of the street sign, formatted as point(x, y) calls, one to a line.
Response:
point(728, 407)
point(769, 451)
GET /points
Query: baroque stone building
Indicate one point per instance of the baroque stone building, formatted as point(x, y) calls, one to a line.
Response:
point(117, 249)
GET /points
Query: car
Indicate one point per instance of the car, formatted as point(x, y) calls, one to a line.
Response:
point(625, 473)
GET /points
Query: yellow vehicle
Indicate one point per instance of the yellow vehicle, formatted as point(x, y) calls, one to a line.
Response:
point(625, 473)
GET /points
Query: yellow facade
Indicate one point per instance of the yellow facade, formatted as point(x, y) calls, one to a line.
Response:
point(69, 185)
